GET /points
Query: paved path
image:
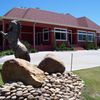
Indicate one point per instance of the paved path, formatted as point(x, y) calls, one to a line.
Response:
point(81, 59)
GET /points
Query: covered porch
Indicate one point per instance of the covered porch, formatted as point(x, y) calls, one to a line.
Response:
point(44, 37)
point(40, 36)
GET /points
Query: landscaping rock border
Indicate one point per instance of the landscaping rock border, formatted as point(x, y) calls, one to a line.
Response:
point(56, 86)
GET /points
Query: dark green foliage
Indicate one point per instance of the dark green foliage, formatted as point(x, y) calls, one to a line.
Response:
point(90, 45)
point(6, 52)
point(33, 50)
point(63, 47)
point(29, 47)
point(27, 44)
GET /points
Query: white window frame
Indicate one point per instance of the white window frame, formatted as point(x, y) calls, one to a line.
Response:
point(64, 29)
point(80, 32)
point(46, 32)
point(69, 31)
point(89, 33)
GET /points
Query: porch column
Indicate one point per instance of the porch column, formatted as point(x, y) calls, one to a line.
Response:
point(3, 44)
point(52, 38)
point(34, 35)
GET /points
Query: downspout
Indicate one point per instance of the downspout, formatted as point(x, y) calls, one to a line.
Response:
point(34, 35)
point(71, 40)
point(55, 45)
point(95, 40)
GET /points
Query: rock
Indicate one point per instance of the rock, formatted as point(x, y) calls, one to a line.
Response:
point(8, 97)
point(2, 97)
point(51, 64)
point(13, 94)
point(8, 93)
point(19, 93)
point(46, 95)
point(58, 89)
point(13, 98)
point(13, 91)
point(20, 70)
point(30, 97)
point(26, 91)
point(21, 98)
point(25, 99)
point(26, 94)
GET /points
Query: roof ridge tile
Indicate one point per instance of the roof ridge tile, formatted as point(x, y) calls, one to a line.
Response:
point(25, 12)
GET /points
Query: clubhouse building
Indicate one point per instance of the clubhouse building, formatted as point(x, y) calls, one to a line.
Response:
point(44, 29)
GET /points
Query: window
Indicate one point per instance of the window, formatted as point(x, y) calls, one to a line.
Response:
point(98, 37)
point(90, 37)
point(81, 36)
point(63, 36)
point(46, 34)
point(60, 34)
point(57, 35)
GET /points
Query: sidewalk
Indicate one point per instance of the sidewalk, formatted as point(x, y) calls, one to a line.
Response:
point(81, 59)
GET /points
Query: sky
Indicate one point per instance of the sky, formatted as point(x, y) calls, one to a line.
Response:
point(78, 8)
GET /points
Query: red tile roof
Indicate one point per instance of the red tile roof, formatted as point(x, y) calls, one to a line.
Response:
point(86, 22)
point(16, 13)
point(44, 16)
point(37, 15)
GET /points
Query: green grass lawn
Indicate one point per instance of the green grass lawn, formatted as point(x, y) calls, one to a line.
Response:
point(91, 78)
point(1, 82)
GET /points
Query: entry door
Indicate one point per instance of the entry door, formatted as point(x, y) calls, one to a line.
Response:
point(70, 37)
point(38, 38)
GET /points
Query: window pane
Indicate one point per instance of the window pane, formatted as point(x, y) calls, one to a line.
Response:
point(63, 36)
point(90, 38)
point(46, 36)
point(80, 37)
point(57, 35)
point(84, 37)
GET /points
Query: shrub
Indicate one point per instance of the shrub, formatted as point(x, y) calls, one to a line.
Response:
point(90, 45)
point(33, 50)
point(63, 47)
point(27, 44)
point(6, 52)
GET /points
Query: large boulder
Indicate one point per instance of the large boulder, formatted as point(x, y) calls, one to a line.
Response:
point(51, 64)
point(21, 70)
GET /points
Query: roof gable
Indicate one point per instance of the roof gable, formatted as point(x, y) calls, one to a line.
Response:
point(86, 22)
point(16, 13)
